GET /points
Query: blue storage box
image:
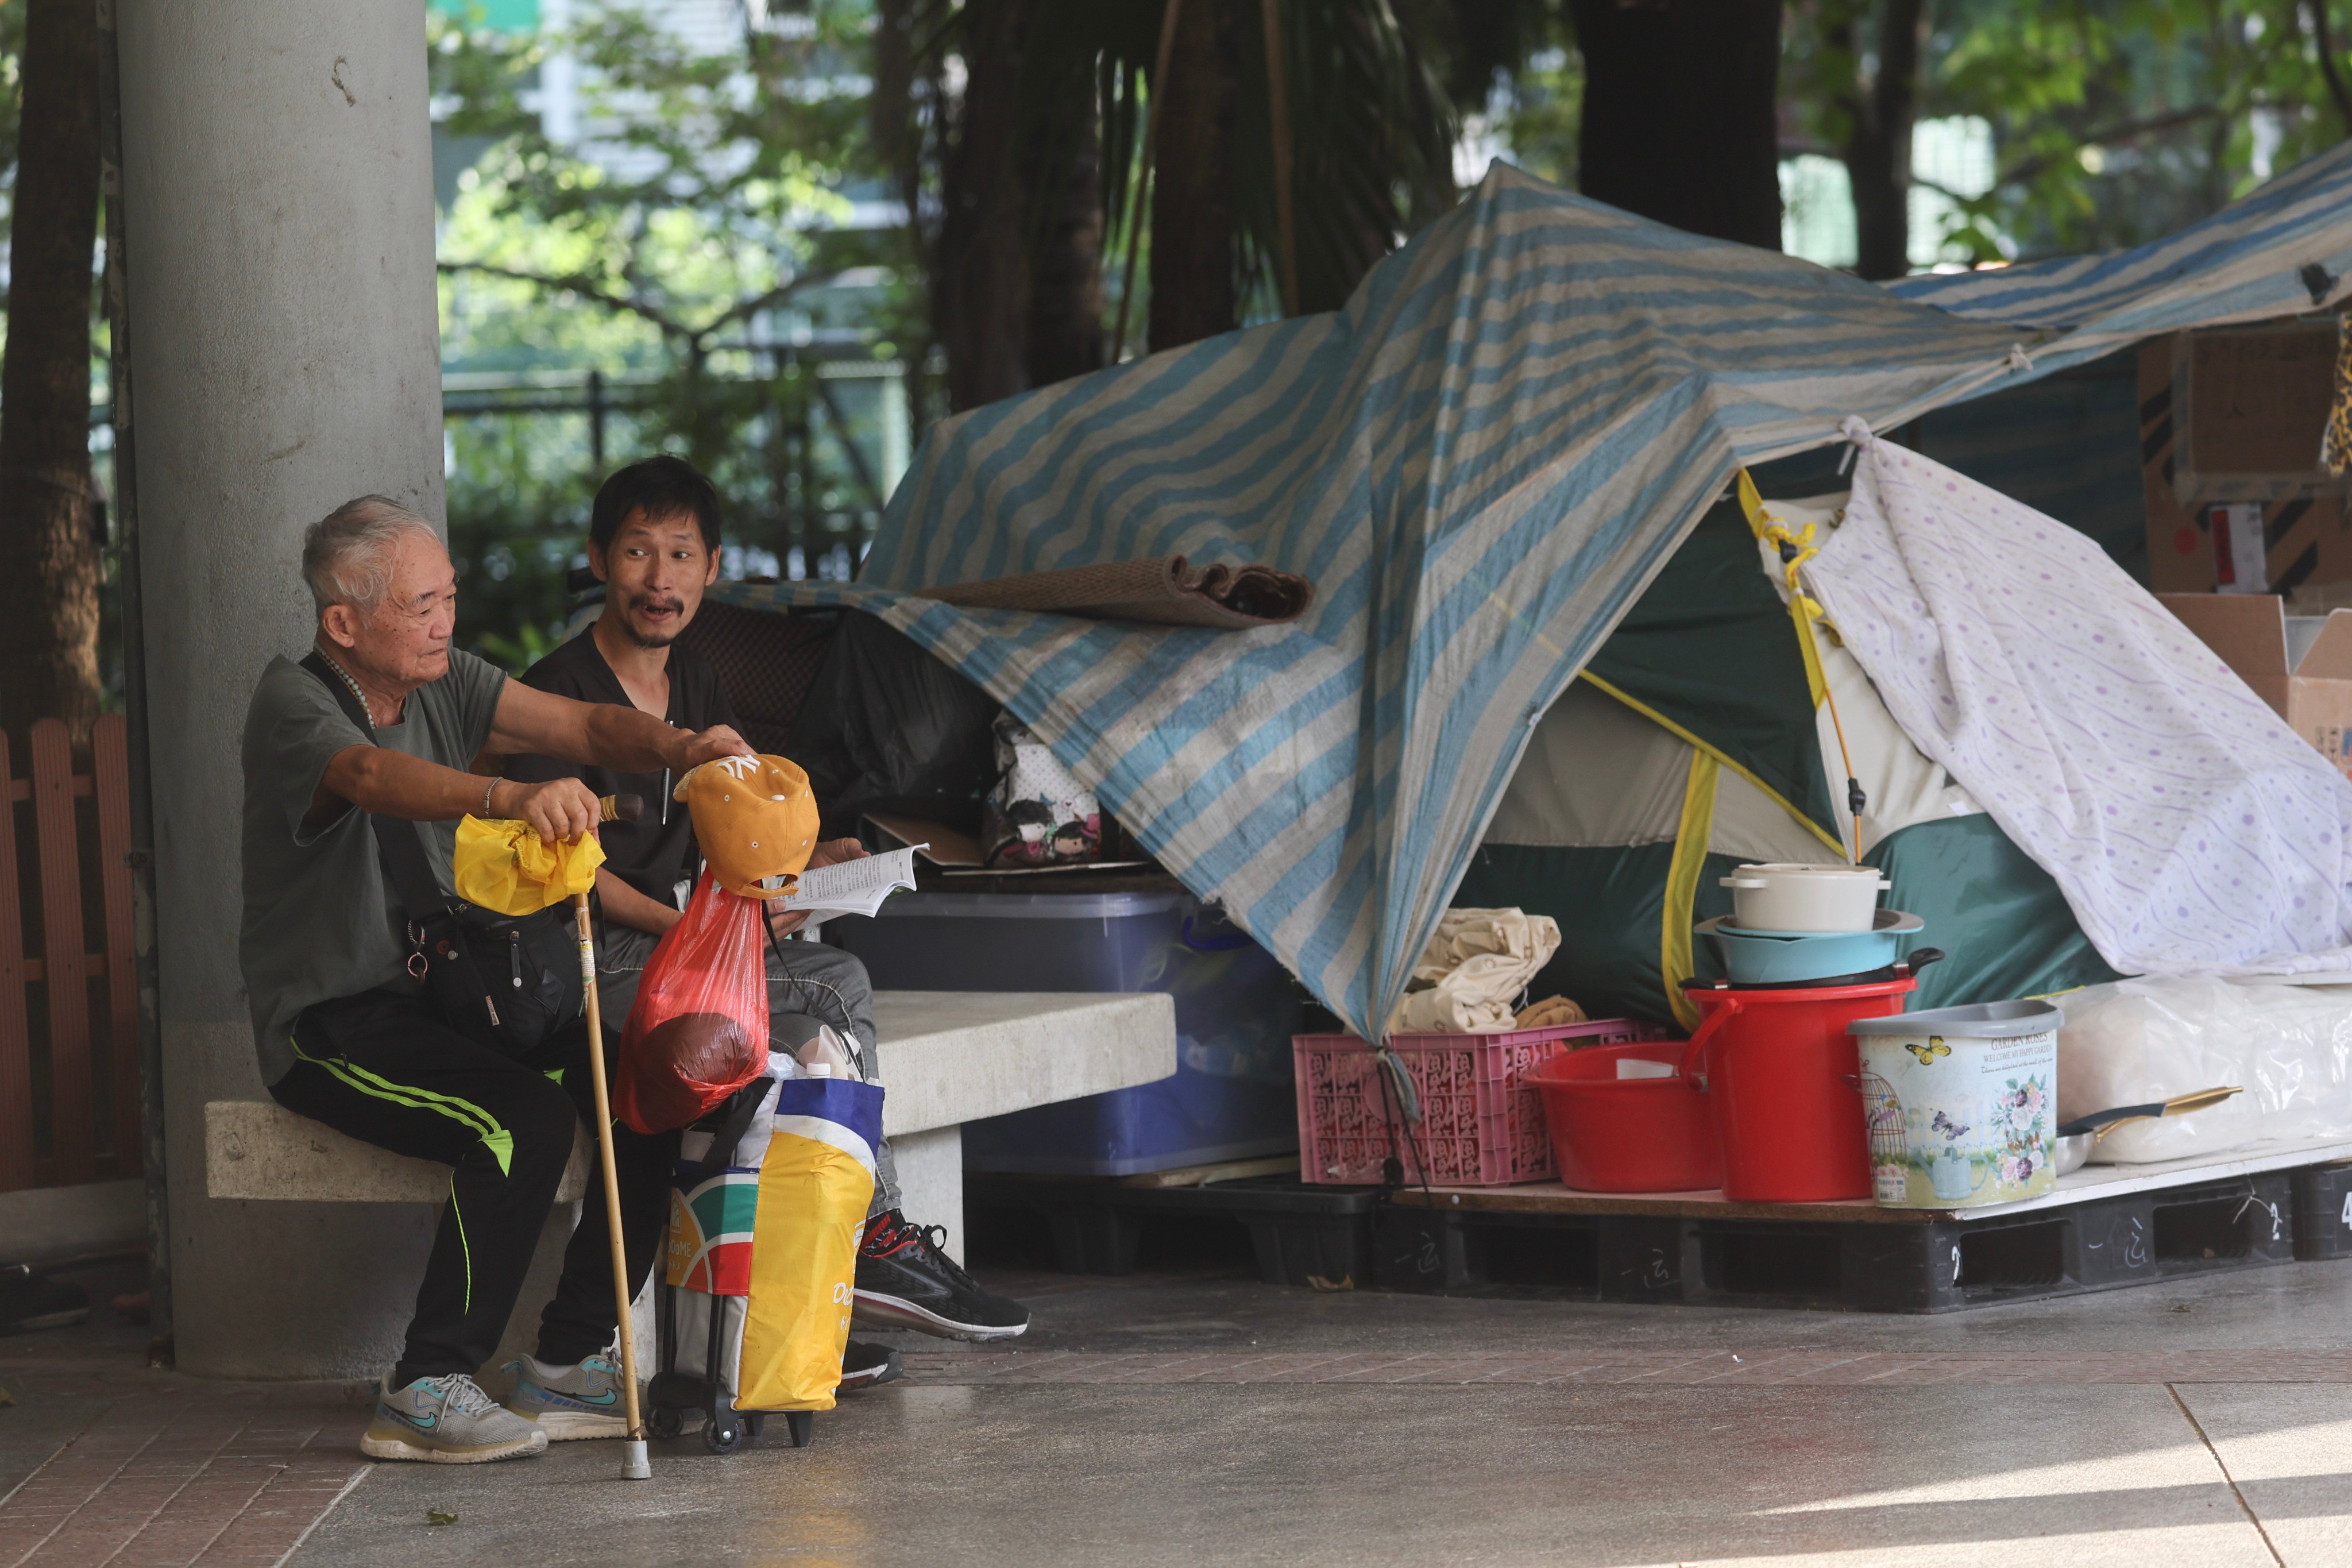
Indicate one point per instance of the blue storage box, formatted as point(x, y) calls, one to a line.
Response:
point(1236, 1009)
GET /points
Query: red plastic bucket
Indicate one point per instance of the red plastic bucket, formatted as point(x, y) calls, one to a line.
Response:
point(1779, 1068)
point(1626, 1135)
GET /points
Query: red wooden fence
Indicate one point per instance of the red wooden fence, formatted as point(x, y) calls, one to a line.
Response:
point(68, 1090)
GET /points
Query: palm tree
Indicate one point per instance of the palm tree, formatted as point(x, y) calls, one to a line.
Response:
point(1022, 178)
point(48, 630)
point(1679, 115)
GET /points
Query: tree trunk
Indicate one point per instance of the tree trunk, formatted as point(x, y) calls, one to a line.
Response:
point(1191, 207)
point(982, 292)
point(1680, 124)
point(48, 600)
point(1065, 285)
point(901, 82)
point(1878, 153)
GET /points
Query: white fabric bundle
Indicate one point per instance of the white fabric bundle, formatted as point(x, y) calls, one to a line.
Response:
point(1472, 971)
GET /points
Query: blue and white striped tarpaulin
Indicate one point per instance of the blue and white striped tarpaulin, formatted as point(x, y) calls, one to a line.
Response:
point(1480, 462)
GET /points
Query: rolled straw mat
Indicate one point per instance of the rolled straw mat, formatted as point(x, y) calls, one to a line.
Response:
point(1166, 591)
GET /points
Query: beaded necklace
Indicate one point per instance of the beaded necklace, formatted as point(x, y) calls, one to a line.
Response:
point(365, 706)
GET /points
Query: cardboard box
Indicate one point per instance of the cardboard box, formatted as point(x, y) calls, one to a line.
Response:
point(2256, 401)
point(2301, 668)
point(2230, 429)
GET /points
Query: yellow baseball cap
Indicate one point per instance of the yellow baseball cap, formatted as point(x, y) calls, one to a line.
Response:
point(755, 819)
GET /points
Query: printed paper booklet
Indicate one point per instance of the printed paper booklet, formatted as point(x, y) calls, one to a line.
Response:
point(853, 887)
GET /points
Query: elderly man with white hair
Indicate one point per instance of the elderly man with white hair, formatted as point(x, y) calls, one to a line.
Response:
point(373, 731)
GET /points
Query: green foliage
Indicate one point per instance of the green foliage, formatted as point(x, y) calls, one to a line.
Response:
point(703, 211)
point(12, 109)
point(717, 199)
point(1540, 113)
point(2116, 122)
point(729, 171)
point(1372, 130)
point(12, 89)
point(518, 497)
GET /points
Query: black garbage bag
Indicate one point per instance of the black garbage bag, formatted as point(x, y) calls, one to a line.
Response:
point(886, 727)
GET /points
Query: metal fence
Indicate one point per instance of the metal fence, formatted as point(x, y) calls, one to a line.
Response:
point(830, 434)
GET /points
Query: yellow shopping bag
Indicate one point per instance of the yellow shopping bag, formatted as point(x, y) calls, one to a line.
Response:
point(815, 1183)
point(509, 867)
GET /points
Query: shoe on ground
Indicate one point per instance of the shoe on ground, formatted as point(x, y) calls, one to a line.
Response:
point(905, 1281)
point(571, 1402)
point(446, 1421)
point(30, 1300)
point(867, 1365)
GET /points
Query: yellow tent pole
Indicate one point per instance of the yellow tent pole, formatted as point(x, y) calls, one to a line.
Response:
point(1681, 900)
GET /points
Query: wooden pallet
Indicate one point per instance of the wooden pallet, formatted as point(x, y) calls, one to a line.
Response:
point(2106, 1227)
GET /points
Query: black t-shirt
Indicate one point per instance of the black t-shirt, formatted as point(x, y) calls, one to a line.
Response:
point(656, 852)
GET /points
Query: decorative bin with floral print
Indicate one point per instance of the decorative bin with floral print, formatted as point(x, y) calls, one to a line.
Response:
point(1974, 1094)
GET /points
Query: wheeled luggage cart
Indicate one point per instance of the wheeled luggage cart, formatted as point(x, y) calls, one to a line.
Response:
point(674, 1393)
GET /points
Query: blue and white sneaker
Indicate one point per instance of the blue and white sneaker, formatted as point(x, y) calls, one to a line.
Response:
point(446, 1421)
point(571, 1402)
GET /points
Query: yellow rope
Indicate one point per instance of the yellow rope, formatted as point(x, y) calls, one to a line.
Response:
point(1795, 547)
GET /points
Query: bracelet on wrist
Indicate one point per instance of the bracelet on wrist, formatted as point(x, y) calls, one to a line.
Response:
point(489, 790)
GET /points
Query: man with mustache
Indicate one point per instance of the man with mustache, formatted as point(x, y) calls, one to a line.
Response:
point(653, 541)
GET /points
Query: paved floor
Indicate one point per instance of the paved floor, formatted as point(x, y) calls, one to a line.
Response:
point(1193, 1415)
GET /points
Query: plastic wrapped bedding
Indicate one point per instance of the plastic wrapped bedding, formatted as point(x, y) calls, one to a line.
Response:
point(2131, 1042)
point(1472, 970)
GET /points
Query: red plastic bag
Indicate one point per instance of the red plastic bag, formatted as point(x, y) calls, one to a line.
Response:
point(699, 1031)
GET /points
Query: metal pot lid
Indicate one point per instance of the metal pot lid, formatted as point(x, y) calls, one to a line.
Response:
point(1981, 1021)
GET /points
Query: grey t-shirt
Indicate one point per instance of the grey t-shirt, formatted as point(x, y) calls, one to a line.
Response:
point(320, 921)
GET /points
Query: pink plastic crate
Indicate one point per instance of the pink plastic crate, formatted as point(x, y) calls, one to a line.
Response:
point(1479, 1128)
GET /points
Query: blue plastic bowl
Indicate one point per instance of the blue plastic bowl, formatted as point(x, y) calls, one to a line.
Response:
point(1763, 957)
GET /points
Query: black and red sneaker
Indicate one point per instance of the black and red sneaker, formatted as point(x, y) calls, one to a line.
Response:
point(867, 1365)
point(905, 1281)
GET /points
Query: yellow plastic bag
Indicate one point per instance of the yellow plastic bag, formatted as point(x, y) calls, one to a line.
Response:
point(509, 867)
point(815, 1182)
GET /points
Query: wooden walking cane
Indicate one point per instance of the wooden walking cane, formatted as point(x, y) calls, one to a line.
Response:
point(634, 1467)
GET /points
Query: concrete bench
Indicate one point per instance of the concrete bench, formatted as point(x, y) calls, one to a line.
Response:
point(947, 1057)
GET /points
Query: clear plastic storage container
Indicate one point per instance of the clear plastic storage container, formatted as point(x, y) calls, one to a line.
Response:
point(1236, 1008)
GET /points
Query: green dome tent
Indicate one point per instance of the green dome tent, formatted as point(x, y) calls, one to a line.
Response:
point(1693, 742)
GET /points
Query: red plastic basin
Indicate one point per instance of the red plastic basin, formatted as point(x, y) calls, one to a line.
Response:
point(1626, 1135)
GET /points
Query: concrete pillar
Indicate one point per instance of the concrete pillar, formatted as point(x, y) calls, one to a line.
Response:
point(278, 196)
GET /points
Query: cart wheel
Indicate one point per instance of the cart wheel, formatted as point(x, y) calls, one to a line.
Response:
point(755, 1423)
point(665, 1422)
point(801, 1424)
point(722, 1438)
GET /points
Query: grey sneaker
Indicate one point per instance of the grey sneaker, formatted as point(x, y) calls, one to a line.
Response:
point(571, 1402)
point(446, 1421)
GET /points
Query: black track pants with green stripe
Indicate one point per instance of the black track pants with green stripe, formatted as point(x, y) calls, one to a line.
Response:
point(383, 1068)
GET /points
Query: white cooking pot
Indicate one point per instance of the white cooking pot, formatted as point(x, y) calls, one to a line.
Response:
point(1792, 898)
